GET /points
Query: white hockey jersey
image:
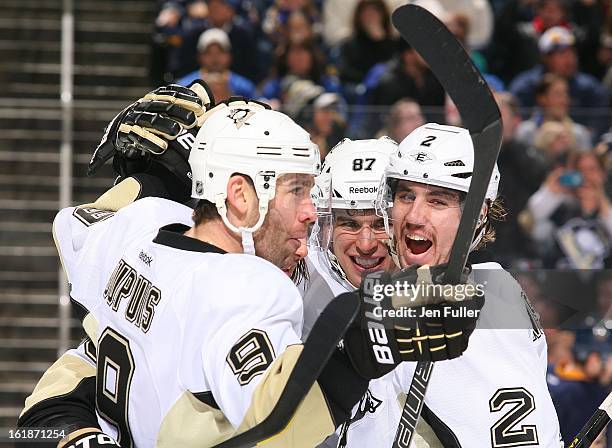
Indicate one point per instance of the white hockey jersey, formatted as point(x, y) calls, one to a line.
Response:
point(494, 395)
point(183, 331)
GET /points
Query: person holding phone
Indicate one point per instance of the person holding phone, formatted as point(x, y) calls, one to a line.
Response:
point(570, 219)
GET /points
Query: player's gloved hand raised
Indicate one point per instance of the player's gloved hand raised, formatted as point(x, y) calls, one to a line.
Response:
point(148, 131)
point(411, 316)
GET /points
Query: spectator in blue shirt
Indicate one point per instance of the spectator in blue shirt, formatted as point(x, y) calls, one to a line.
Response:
point(559, 56)
point(215, 57)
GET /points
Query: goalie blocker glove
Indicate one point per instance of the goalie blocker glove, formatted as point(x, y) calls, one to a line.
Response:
point(411, 316)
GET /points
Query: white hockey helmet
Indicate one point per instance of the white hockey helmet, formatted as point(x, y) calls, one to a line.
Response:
point(439, 155)
point(248, 139)
point(355, 168)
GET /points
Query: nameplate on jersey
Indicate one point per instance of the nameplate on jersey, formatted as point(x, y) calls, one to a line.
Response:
point(89, 215)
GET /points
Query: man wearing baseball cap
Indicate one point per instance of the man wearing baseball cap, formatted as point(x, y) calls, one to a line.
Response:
point(215, 57)
point(558, 55)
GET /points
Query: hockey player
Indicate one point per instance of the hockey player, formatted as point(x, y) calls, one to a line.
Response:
point(356, 234)
point(111, 261)
point(495, 394)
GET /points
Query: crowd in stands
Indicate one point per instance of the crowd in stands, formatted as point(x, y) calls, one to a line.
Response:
point(340, 69)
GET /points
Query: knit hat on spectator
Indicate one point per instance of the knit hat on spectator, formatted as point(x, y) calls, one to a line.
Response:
point(555, 38)
point(214, 36)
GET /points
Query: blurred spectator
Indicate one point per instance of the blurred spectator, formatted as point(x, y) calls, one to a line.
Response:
point(405, 116)
point(578, 387)
point(214, 57)
point(552, 98)
point(320, 113)
point(222, 14)
point(554, 142)
point(299, 28)
point(298, 96)
point(459, 24)
point(522, 170)
point(298, 60)
point(514, 47)
point(571, 216)
point(408, 76)
point(277, 15)
point(604, 56)
point(174, 40)
point(328, 124)
point(477, 12)
point(560, 350)
point(370, 42)
point(559, 56)
point(590, 18)
point(337, 16)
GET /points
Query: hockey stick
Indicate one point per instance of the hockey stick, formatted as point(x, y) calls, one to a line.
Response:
point(594, 426)
point(454, 69)
point(319, 347)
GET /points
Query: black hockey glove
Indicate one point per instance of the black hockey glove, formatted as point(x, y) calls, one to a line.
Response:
point(412, 316)
point(91, 439)
point(154, 130)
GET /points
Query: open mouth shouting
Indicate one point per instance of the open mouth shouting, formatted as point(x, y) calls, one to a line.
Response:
point(419, 248)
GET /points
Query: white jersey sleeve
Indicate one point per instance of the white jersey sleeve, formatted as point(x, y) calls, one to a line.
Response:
point(253, 312)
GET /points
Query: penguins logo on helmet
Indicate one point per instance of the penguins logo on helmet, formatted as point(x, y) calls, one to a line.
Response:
point(240, 116)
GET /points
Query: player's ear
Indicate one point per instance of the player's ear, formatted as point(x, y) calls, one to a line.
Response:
point(241, 199)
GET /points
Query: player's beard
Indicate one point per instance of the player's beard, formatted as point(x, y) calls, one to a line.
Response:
point(272, 241)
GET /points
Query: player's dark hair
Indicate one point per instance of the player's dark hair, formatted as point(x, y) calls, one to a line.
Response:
point(495, 213)
point(204, 211)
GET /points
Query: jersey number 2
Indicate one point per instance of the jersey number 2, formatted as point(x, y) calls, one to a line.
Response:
point(504, 433)
point(114, 377)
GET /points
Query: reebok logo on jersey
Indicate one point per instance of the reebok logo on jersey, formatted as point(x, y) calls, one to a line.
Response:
point(145, 258)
